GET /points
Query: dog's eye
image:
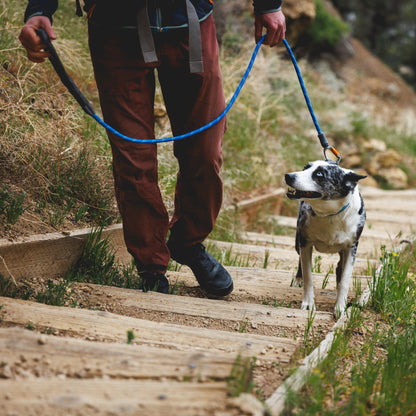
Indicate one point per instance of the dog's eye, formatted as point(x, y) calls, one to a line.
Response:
point(319, 174)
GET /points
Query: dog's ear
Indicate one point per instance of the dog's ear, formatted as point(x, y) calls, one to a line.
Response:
point(351, 178)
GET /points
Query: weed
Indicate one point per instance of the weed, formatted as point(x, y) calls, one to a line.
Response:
point(266, 259)
point(325, 281)
point(243, 326)
point(176, 287)
point(96, 263)
point(130, 336)
point(240, 379)
point(309, 335)
point(8, 288)
point(55, 293)
point(228, 258)
point(392, 292)
point(317, 262)
point(30, 326)
point(11, 205)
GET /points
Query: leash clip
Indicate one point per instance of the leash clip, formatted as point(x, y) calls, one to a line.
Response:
point(334, 152)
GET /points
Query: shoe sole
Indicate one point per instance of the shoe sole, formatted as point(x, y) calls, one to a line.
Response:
point(220, 292)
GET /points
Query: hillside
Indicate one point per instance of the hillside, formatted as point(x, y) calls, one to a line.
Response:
point(57, 161)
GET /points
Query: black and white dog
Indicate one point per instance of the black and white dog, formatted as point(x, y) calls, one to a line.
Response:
point(331, 218)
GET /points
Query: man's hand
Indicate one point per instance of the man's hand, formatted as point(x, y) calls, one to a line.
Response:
point(275, 25)
point(31, 41)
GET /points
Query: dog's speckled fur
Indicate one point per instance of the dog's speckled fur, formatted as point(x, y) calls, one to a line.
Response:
point(331, 218)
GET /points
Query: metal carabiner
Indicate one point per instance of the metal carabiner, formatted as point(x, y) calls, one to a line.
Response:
point(334, 152)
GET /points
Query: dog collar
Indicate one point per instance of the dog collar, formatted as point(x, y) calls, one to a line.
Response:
point(339, 212)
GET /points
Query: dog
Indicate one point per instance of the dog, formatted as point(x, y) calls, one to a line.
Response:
point(331, 218)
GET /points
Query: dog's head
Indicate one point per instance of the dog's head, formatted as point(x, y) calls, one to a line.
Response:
point(323, 180)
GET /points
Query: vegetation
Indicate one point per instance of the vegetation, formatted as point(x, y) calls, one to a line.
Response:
point(376, 374)
point(326, 29)
point(56, 161)
point(387, 29)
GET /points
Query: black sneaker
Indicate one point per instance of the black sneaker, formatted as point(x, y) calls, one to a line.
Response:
point(211, 275)
point(155, 282)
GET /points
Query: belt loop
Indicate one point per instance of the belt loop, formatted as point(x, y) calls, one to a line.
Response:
point(195, 47)
point(145, 34)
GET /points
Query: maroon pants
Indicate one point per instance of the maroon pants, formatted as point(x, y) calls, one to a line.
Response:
point(126, 87)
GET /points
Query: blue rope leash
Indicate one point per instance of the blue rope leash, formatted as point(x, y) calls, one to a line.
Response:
point(87, 107)
point(200, 129)
point(321, 136)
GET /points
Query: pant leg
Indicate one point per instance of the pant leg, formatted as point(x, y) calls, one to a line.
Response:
point(193, 100)
point(126, 87)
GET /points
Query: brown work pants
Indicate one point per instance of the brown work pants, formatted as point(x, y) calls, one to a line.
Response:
point(126, 87)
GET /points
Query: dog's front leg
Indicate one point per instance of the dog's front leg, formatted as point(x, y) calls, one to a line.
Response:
point(347, 263)
point(308, 301)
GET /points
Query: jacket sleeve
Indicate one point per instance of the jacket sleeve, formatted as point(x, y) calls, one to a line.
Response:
point(41, 8)
point(266, 6)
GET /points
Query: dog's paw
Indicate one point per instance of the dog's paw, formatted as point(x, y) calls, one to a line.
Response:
point(297, 282)
point(308, 305)
point(339, 311)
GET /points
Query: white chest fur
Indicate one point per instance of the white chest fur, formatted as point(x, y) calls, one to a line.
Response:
point(333, 232)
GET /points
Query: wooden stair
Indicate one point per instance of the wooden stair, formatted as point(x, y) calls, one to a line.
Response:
point(125, 352)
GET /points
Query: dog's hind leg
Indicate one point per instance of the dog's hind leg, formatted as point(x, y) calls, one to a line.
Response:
point(298, 280)
point(308, 301)
point(340, 267)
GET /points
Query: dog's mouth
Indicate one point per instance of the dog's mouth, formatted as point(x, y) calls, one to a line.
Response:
point(293, 193)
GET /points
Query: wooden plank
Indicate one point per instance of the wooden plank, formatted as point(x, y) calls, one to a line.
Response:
point(279, 258)
point(235, 312)
point(382, 195)
point(273, 286)
point(249, 209)
point(369, 245)
point(50, 255)
point(105, 326)
point(29, 354)
point(71, 397)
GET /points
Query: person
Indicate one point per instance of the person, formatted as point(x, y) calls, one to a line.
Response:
point(128, 40)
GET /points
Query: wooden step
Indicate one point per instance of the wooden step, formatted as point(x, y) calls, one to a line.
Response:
point(54, 396)
point(382, 232)
point(367, 247)
point(271, 287)
point(278, 258)
point(105, 326)
point(228, 315)
point(383, 195)
point(32, 355)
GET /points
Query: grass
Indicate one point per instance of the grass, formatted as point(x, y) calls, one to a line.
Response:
point(375, 376)
point(97, 264)
point(240, 379)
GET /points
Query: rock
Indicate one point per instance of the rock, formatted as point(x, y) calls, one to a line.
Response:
point(351, 161)
point(299, 15)
point(5, 371)
point(374, 145)
point(368, 181)
point(388, 159)
point(394, 177)
point(383, 160)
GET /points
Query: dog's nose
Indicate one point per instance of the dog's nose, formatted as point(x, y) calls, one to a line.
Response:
point(289, 178)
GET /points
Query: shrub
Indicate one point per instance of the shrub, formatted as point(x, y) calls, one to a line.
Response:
point(326, 30)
